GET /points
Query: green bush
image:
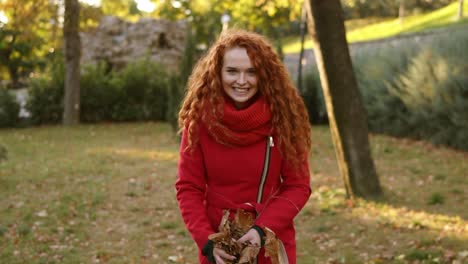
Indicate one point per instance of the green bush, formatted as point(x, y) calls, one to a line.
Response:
point(178, 82)
point(434, 89)
point(375, 72)
point(418, 90)
point(9, 109)
point(138, 92)
point(142, 92)
point(175, 92)
point(97, 95)
point(45, 102)
point(45, 95)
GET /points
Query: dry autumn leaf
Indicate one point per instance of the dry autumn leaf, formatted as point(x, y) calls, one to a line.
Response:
point(231, 230)
point(248, 254)
point(272, 246)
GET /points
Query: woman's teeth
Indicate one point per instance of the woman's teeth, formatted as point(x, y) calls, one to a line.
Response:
point(241, 89)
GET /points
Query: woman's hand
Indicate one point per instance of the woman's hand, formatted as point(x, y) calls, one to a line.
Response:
point(219, 256)
point(251, 236)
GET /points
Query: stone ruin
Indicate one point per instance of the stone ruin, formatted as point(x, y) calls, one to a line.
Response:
point(117, 42)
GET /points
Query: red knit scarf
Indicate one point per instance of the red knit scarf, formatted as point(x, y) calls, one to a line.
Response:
point(240, 127)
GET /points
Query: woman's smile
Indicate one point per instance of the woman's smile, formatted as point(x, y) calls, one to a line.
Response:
point(241, 90)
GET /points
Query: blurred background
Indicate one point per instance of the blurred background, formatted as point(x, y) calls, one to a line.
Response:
point(101, 191)
point(154, 44)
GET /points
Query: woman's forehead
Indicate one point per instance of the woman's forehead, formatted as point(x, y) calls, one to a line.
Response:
point(237, 57)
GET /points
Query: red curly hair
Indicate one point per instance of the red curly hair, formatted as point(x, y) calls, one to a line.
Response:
point(290, 120)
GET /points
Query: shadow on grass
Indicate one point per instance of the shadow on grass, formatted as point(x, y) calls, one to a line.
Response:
point(332, 231)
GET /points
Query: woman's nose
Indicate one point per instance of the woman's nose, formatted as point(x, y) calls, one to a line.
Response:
point(241, 80)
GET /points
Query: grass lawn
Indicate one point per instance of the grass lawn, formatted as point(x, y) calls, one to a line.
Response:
point(104, 194)
point(373, 28)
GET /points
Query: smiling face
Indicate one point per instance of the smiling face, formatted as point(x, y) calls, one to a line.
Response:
point(238, 76)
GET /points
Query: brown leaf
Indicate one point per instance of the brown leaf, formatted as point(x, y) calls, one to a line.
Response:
point(218, 236)
point(224, 225)
point(243, 220)
point(249, 254)
point(272, 246)
point(230, 232)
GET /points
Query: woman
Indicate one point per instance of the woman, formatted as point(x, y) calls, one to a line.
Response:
point(239, 96)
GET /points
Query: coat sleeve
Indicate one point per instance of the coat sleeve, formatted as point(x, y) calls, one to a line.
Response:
point(281, 208)
point(190, 192)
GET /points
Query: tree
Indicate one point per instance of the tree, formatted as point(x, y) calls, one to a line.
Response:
point(22, 37)
point(401, 11)
point(16, 55)
point(346, 113)
point(262, 15)
point(270, 17)
point(72, 49)
point(301, 53)
point(460, 10)
point(122, 8)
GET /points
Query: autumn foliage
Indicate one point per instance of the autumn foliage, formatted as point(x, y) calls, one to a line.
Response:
point(231, 230)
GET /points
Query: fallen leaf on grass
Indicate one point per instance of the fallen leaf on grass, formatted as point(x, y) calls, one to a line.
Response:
point(463, 254)
point(177, 259)
point(42, 213)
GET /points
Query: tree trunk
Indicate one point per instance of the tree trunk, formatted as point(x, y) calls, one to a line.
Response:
point(14, 76)
point(5, 54)
point(301, 54)
point(460, 10)
point(71, 114)
point(346, 113)
point(401, 11)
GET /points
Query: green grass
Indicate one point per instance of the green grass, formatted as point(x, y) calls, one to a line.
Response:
point(370, 29)
point(65, 199)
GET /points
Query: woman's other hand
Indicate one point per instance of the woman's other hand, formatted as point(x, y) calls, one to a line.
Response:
point(220, 255)
point(252, 236)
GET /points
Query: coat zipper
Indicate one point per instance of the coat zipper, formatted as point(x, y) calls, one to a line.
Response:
point(266, 166)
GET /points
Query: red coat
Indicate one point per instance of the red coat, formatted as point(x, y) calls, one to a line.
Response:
point(215, 177)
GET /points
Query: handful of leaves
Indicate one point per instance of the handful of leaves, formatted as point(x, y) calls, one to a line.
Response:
point(245, 253)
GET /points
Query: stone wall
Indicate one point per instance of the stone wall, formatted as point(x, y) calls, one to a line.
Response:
point(117, 42)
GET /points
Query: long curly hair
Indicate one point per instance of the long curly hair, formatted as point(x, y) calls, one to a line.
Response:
point(290, 120)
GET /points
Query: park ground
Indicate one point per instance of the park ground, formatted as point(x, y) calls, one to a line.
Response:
point(104, 194)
